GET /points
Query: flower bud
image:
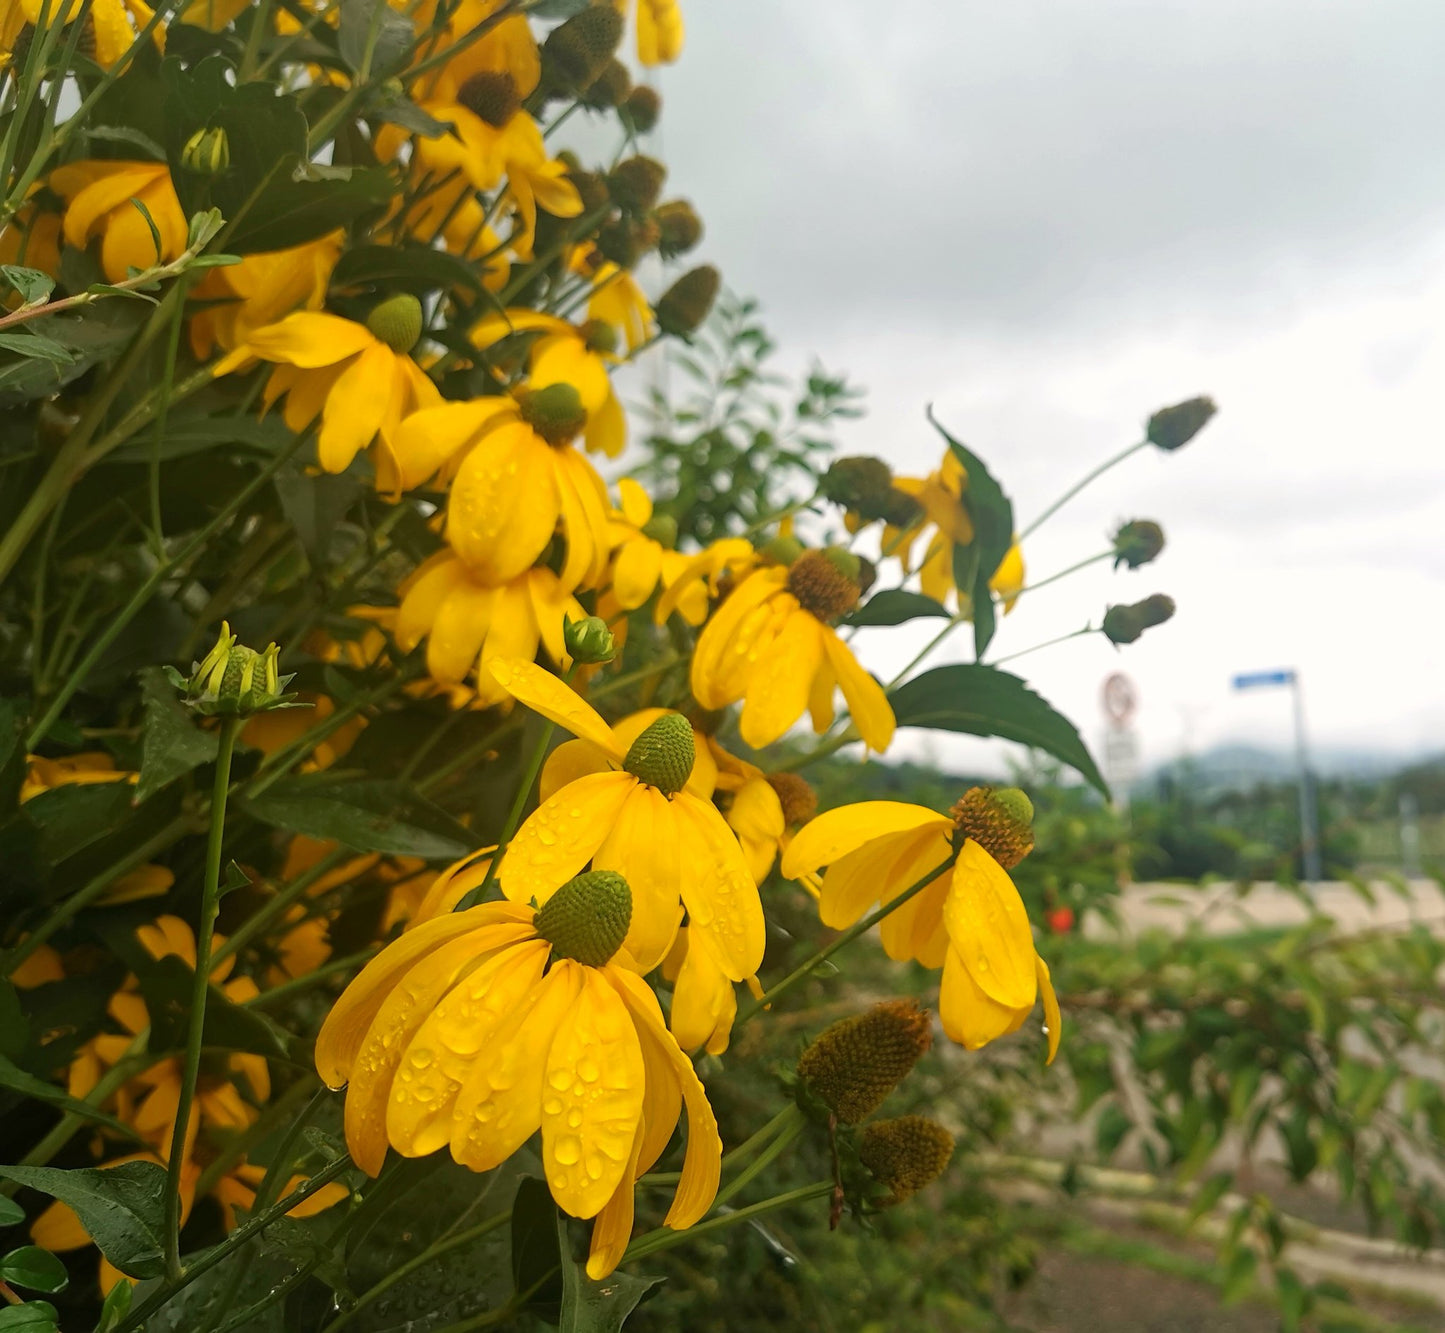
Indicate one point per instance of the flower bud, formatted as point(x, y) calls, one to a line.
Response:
point(626, 240)
point(577, 51)
point(782, 550)
point(1172, 428)
point(681, 309)
point(587, 918)
point(636, 182)
point(905, 1154)
point(555, 412)
point(854, 1064)
point(662, 528)
point(664, 754)
point(610, 88)
point(1137, 543)
point(397, 321)
point(491, 96)
point(860, 484)
point(207, 152)
point(588, 641)
point(679, 228)
point(643, 108)
point(233, 680)
point(825, 582)
point(599, 336)
point(1124, 624)
point(999, 819)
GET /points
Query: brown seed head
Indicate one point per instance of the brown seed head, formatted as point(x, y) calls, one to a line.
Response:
point(798, 799)
point(684, 305)
point(644, 108)
point(577, 51)
point(636, 182)
point(679, 228)
point(492, 96)
point(854, 1064)
point(999, 819)
point(821, 586)
point(905, 1154)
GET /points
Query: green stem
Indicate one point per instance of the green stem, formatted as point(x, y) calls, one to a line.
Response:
point(821, 751)
point(792, 1126)
point(933, 643)
point(1079, 485)
point(191, 1066)
point(404, 1271)
point(143, 594)
point(299, 985)
point(1064, 573)
point(239, 1237)
point(66, 911)
point(858, 928)
point(1047, 643)
point(258, 921)
point(664, 1238)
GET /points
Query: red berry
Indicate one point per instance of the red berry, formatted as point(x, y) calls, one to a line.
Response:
point(1061, 920)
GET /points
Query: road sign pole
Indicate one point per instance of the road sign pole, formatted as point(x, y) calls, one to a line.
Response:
point(1309, 819)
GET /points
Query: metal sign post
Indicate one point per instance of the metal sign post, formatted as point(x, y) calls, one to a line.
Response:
point(1309, 820)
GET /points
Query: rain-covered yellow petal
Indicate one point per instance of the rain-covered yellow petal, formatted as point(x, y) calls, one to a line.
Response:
point(569, 761)
point(592, 1097)
point(704, 1003)
point(720, 894)
point(729, 639)
point(777, 689)
point(487, 524)
point(557, 701)
point(561, 835)
point(833, 834)
point(867, 702)
point(1053, 1017)
point(969, 1016)
point(989, 928)
point(645, 848)
point(613, 1229)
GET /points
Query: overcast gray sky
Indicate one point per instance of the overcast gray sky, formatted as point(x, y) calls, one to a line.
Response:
point(1050, 217)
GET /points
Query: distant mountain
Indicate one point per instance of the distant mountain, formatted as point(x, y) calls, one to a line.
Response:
point(1231, 767)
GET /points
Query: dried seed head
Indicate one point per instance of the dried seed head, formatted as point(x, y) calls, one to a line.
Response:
point(1124, 624)
point(681, 309)
point(636, 182)
point(798, 799)
point(999, 819)
point(644, 108)
point(577, 51)
point(1172, 428)
point(825, 582)
point(905, 1154)
point(492, 96)
point(679, 228)
point(854, 1064)
point(1137, 543)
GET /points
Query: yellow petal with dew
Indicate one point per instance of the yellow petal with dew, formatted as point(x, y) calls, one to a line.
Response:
point(1053, 1017)
point(644, 847)
point(989, 928)
point(777, 689)
point(569, 761)
point(867, 701)
point(970, 1016)
point(613, 1229)
point(487, 525)
point(832, 835)
point(557, 701)
point(457, 633)
point(729, 638)
point(561, 835)
point(720, 894)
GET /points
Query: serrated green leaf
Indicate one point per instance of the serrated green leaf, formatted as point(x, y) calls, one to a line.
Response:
point(896, 606)
point(984, 701)
point(173, 744)
point(595, 1307)
point(122, 1207)
point(34, 1269)
point(366, 816)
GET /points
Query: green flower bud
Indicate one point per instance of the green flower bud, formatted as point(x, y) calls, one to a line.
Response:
point(643, 108)
point(782, 550)
point(233, 680)
point(587, 918)
point(1124, 624)
point(397, 321)
point(600, 336)
point(1172, 428)
point(589, 641)
point(207, 152)
point(662, 528)
point(1137, 543)
point(682, 308)
point(679, 228)
point(663, 755)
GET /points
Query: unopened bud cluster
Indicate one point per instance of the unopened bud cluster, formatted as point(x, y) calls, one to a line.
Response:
point(233, 680)
point(1137, 543)
point(1124, 624)
point(588, 641)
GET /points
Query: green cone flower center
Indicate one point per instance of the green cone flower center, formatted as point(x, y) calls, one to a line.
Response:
point(587, 918)
point(999, 819)
point(663, 755)
point(397, 321)
point(555, 412)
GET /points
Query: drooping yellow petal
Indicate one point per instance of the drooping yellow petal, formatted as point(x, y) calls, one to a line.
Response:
point(867, 702)
point(488, 525)
point(718, 890)
point(457, 633)
point(423, 595)
point(583, 501)
point(94, 193)
point(777, 690)
point(561, 835)
point(702, 1165)
point(832, 835)
point(971, 1017)
point(345, 1027)
point(455, 1036)
point(569, 761)
point(644, 847)
point(500, 1105)
point(592, 1097)
point(635, 572)
point(428, 441)
point(606, 432)
point(704, 1003)
point(989, 928)
point(543, 693)
point(309, 338)
point(723, 655)
point(565, 359)
point(1053, 1018)
point(613, 1229)
point(912, 924)
point(355, 407)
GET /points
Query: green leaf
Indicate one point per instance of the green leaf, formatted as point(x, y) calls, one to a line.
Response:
point(167, 984)
point(154, 230)
point(32, 1317)
point(895, 606)
point(122, 1207)
point(536, 1259)
point(1113, 1124)
point(595, 1307)
point(1238, 1276)
point(11, 1213)
point(984, 701)
point(203, 228)
point(1209, 1194)
point(126, 134)
point(366, 816)
point(34, 1268)
point(195, 434)
point(93, 333)
point(37, 344)
point(992, 515)
point(33, 285)
point(406, 113)
point(18, 1080)
point(173, 744)
point(292, 212)
point(116, 1307)
point(418, 269)
point(77, 814)
point(373, 25)
point(1294, 1299)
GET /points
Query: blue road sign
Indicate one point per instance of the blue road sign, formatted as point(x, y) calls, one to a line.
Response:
point(1251, 679)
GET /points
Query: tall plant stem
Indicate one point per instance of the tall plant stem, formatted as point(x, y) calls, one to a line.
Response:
point(665, 1239)
point(191, 1066)
point(1079, 485)
point(846, 938)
